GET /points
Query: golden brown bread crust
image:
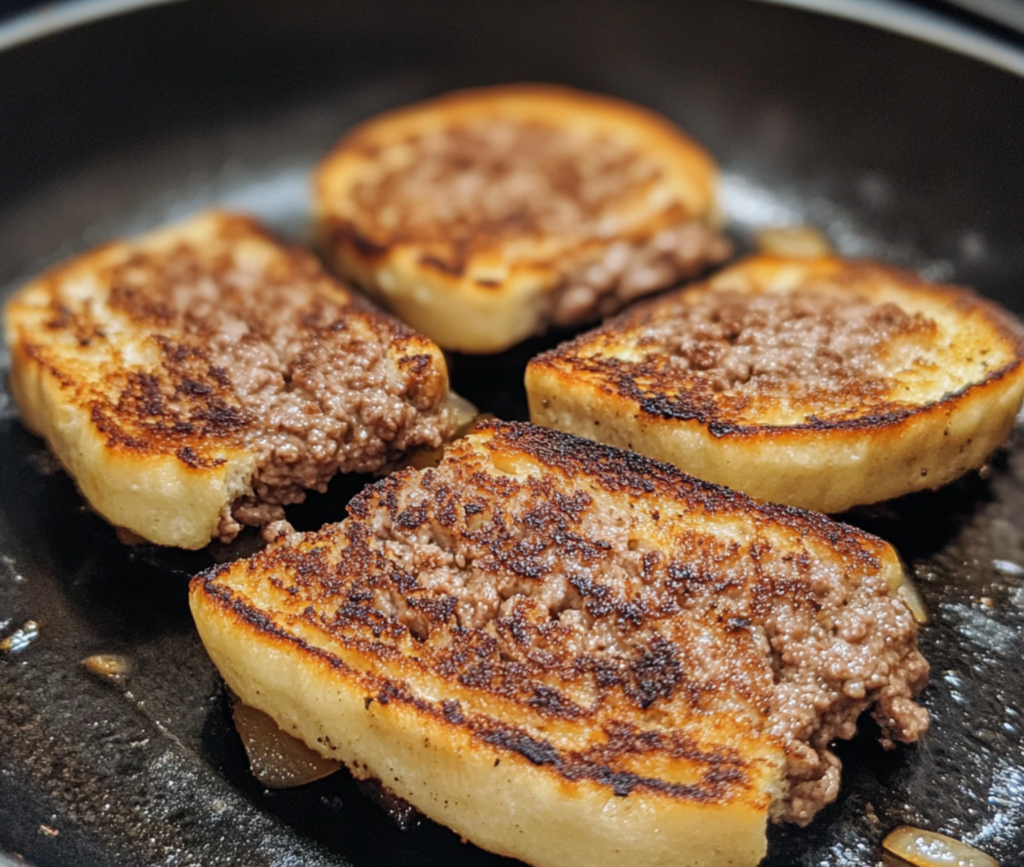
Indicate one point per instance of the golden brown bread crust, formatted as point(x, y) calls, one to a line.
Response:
point(568, 653)
point(821, 383)
point(206, 375)
point(484, 215)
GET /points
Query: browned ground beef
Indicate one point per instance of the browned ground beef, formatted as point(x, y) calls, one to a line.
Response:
point(475, 187)
point(790, 626)
point(319, 383)
point(806, 340)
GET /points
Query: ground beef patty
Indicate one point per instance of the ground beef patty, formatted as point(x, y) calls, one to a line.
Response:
point(602, 614)
point(322, 381)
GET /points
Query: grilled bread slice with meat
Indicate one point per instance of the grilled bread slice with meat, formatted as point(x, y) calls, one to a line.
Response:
point(574, 655)
point(205, 376)
point(483, 216)
point(822, 383)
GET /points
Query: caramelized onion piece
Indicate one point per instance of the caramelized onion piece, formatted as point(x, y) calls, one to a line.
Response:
point(911, 596)
point(466, 415)
point(465, 412)
point(902, 585)
point(798, 241)
point(276, 759)
point(929, 849)
point(110, 666)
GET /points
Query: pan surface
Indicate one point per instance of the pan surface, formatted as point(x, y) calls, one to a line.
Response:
point(896, 149)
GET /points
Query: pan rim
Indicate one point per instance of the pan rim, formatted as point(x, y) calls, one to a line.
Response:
point(919, 24)
point(52, 18)
point(893, 16)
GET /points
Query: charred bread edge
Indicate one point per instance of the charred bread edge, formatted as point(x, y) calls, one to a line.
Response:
point(158, 496)
point(455, 776)
point(908, 450)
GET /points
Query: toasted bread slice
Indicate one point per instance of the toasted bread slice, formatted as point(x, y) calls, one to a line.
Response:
point(820, 383)
point(574, 655)
point(484, 215)
point(205, 376)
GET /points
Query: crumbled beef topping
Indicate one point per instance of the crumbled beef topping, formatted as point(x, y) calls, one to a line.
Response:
point(571, 199)
point(541, 586)
point(627, 270)
point(739, 360)
point(805, 340)
point(504, 179)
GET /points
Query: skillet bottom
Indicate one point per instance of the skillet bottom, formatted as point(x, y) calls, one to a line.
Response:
point(150, 766)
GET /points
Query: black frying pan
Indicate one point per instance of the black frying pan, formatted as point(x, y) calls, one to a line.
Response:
point(899, 150)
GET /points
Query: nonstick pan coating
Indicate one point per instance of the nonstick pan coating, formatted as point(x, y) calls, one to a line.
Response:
point(898, 150)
